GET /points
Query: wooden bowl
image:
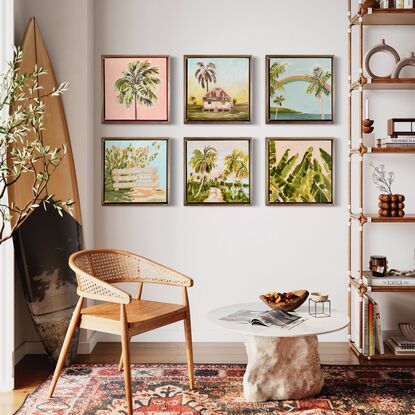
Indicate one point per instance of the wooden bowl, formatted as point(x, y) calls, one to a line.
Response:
point(408, 331)
point(319, 297)
point(291, 306)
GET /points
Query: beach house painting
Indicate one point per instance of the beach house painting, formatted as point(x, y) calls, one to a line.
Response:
point(217, 100)
point(217, 89)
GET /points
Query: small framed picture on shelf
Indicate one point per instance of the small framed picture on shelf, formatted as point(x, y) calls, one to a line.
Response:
point(217, 171)
point(299, 171)
point(299, 89)
point(135, 171)
point(135, 89)
point(217, 89)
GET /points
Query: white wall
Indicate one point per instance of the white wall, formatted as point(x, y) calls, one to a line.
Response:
point(233, 253)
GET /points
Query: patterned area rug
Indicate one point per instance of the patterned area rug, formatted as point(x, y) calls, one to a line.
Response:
point(163, 389)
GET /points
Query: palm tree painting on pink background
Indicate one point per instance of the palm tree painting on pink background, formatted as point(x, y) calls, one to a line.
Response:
point(135, 89)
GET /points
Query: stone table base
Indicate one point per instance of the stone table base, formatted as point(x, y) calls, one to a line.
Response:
point(282, 368)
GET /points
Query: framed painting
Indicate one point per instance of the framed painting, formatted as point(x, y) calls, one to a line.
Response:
point(217, 171)
point(217, 89)
point(135, 171)
point(135, 89)
point(299, 171)
point(299, 89)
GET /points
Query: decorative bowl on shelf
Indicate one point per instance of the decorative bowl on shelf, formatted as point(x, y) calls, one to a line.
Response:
point(285, 301)
point(408, 331)
point(319, 297)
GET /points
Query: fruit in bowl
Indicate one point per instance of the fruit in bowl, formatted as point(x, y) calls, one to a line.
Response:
point(284, 301)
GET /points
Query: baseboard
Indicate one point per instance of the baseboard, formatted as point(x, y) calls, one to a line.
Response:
point(28, 348)
point(86, 347)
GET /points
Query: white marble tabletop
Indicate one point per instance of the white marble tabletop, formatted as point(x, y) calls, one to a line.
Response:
point(312, 326)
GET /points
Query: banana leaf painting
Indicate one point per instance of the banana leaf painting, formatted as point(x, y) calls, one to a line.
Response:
point(300, 171)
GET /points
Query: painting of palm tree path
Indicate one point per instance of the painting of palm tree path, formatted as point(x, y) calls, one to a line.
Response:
point(217, 171)
point(135, 89)
point(299, 89)
point(217, 89)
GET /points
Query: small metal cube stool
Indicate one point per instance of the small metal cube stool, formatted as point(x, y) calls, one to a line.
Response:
point(321, 308)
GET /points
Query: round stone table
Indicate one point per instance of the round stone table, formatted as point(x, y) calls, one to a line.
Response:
point(283, 363)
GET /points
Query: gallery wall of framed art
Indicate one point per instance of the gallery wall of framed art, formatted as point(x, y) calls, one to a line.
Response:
point(218, 89)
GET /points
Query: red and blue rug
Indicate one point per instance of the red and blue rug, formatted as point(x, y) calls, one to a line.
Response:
point(163, 389)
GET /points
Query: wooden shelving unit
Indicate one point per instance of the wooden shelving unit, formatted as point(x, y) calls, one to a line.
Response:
point(358, 22)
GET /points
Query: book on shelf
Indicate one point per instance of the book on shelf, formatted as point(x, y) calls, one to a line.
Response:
point(372, 328)
point(400, 140)
point(395, 343)
point(388, 281)
point(378, 331)
point(403, 343)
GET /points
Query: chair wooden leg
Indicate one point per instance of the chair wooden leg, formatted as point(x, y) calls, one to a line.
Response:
point(189, 350)
point(66, 343)
point(120, 363)
point(126, 359)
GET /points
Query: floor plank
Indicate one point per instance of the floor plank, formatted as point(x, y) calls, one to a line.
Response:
point(33, 369)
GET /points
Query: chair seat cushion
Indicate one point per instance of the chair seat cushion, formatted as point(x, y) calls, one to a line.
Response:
point(138, 311)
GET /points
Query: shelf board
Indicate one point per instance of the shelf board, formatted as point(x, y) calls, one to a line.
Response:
point(389, 354)
point(390, 150)
point(382, 150)
point(384, 84)
point(386, 17)
point(374, 218)
point(380, 289)
point(381, 219)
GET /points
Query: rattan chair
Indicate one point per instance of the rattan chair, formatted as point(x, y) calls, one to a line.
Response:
point(95, 271)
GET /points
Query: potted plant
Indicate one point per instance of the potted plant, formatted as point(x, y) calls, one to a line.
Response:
point(22, 153)
point(389, 204)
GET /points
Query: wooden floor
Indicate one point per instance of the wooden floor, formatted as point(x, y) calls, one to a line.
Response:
point(34, 369)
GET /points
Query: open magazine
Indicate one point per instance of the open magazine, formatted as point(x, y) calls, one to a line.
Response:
point(268, 318)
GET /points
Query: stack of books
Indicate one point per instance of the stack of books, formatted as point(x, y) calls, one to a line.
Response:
point(401, 346)
point(388, 280)
point(372, 329)
point(401, 133)
point(399, 142)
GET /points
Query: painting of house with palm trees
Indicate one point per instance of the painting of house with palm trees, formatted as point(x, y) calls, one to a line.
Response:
point(135, 89)
point(217, 88)
point(299, 89)
point(217, 171)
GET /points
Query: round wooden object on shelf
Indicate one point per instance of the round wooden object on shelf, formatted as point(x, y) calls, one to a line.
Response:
point(401, 213)
point(381, 47)
point(408, 61)
point(384, 198)
point(369, 4)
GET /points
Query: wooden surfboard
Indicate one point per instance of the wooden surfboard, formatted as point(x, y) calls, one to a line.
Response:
point(45, 240)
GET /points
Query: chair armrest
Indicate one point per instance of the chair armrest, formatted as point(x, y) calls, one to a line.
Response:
point(96, 289)
point(153, 272)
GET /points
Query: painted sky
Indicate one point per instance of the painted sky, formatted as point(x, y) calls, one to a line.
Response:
point(232, 75)
point(223, 147)
point(160, 161)
point(295, 96)
point(300, 146)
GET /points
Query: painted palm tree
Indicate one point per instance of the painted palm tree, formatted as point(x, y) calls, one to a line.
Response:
point(137, 85)
point(232, 165)
point(278, 101)
point(206, 74)
point(203, 162)
point(319, 85)
point(277, 69)
point(243, 169)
